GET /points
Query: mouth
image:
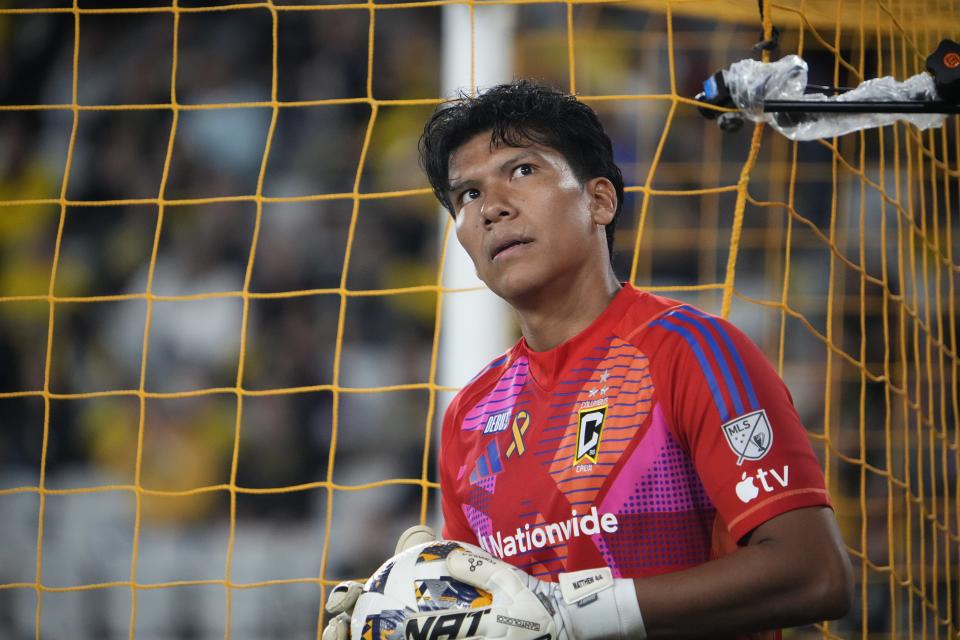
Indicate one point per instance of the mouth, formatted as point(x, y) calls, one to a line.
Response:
point(508, 246)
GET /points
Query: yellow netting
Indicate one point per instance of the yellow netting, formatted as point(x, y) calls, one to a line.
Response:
point(837, 256)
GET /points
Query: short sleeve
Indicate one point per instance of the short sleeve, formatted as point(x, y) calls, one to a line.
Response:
point(736, 418)
point(455, 525)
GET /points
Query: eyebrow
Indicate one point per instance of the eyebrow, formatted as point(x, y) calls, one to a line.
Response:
point(455, 184)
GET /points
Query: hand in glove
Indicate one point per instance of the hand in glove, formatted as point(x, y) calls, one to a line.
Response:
point(583, 605)
point(344, 595)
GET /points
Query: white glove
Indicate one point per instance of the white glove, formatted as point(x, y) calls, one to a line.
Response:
point(344, 596)
point(583, 605)
point(340, 606)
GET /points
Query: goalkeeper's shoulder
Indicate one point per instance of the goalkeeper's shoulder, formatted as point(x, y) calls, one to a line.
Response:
point(492, 370)
point(478, 386)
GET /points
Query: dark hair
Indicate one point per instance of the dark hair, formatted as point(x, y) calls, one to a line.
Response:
point(517, 115)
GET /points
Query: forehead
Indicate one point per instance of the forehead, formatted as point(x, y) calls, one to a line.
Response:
point(480, 152)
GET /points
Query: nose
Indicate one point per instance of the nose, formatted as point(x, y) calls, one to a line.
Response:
point(497, 206)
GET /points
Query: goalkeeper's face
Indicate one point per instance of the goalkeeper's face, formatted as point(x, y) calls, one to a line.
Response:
point(528, 223)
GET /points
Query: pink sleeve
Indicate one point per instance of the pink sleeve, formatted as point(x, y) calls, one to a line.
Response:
point(736, 418)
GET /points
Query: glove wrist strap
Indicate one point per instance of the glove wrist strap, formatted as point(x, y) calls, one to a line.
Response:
point(601, 606)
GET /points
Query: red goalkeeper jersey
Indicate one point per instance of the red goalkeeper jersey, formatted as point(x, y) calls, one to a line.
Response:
point(651, 442)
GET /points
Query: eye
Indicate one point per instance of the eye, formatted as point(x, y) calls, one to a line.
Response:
point(469, 195)
point(523, 170)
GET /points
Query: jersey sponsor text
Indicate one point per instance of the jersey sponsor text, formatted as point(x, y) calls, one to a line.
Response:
point(550, 534)
point(748, 491)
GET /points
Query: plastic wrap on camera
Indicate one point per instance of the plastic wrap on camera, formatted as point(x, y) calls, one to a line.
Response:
point(751, 83)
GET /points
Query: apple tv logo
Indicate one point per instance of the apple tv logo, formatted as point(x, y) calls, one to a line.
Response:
point(747, 490)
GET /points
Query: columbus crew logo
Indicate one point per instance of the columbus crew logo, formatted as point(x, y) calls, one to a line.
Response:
point(588, 434)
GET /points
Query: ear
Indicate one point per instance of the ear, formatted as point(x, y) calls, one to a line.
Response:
point(603, 200)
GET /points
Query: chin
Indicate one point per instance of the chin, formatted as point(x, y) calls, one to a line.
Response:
point(516, 287)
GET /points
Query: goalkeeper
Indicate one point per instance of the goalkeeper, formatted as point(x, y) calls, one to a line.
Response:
point(635, 466)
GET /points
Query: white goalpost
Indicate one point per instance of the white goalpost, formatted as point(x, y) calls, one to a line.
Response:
point(476, 325)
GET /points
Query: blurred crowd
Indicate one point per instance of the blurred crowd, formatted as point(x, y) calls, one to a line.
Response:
point(98, 341)
point(197, 253)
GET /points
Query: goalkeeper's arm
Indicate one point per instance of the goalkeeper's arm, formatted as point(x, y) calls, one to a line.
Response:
point(792, 571)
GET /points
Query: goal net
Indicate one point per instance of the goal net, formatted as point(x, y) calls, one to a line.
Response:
point(222, 296)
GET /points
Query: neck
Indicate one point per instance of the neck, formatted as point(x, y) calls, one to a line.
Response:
point(560, 312)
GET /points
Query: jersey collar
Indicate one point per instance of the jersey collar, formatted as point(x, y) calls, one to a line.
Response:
point(546, 367)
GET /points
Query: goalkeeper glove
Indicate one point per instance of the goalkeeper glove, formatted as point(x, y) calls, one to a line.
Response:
point(344, 596)
point(583, 605)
